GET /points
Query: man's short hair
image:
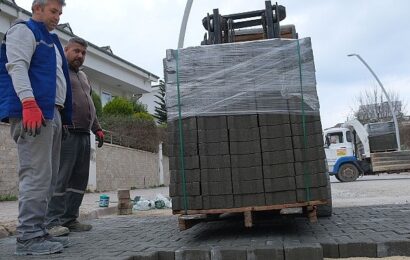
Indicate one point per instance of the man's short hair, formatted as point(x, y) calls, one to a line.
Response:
point(44, 2)
point(78, 40)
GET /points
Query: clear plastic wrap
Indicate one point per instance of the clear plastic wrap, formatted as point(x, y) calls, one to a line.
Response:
point(241, 78)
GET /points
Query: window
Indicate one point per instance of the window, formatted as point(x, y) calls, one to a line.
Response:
point(105, 98)
point(336, 138)
point(349, 136)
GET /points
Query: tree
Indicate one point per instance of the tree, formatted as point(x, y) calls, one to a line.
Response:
point(161, 109)
point(97, 103)
point(373, 106)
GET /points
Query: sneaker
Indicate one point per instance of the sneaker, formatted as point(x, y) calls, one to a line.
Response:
point(62, 240)
point(58, 231)
point(75, 226)
point(37, 246)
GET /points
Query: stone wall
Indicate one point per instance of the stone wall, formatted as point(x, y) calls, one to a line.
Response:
point(116, 167)
point(8, 162)
point(120, 167)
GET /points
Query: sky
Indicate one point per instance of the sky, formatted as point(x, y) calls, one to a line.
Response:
point(141, 31)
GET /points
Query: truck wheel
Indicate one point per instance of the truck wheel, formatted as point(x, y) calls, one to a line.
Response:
point(325, 210)
point(347, 172)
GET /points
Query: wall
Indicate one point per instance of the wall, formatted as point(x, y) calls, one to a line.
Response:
point(120, 167)
point(8, 162)
point(116, 166)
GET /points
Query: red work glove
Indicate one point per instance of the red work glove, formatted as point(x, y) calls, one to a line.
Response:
point(32, 117)
point(100, 138)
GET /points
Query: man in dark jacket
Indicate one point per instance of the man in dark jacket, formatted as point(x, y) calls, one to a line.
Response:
point(35, 95)
point(63, 209)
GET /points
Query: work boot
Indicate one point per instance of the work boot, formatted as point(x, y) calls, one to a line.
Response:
point(75, 226)
point(62, 240)
point(58, 231)
point(37, 246)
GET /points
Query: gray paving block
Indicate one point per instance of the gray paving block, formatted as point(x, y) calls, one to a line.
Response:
point(276, 144)
point(280, 197)
point(244, 174)
point(266, 253)
point(307, 118)
point(145, 256)
point(190, 176)
point(216, 188)
point(248, 200)
point(300, 141)
point(277, 131)
point(192, 189)
point(212, 122)
point(242, 135)
point(221, 148)
point(189, 149)
point(279, 184)
point(191, 254)
point(188, 136)
point(190, 163)
point(213, 136)
point(187, 124)
point(357, 249)
point(273, 119)
point(278, 170)
point(218, 202)
point(393, 248)
point(166, 255)
point(315, 194)
point(226, 253)
point(277, 157)
point(242, 121)
point(215, 161)
point(295, 251)
point(309, 154)
point(248, 187)
point(194, 202)
point(330, 249)
point(314, 180)
point(246, 160)
point(307, 128)
point(217, 174)
point(248, 147)
point(312, 167)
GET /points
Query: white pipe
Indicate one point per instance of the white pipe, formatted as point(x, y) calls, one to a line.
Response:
point(184, 23)
point(396, 125)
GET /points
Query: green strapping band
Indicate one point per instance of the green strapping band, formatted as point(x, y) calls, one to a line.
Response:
point(181, 140)
point(306, 174)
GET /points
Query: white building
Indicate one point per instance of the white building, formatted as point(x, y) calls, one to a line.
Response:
point(109, 74)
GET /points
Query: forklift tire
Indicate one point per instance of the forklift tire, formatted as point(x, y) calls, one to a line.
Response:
point(347, 172)
point(325, 210)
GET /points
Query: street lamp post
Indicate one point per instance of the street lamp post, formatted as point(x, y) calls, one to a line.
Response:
point(396, 125)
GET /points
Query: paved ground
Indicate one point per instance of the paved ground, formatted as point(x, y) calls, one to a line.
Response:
point(367, 231)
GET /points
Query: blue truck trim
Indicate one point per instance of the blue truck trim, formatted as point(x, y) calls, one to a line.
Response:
point(342, 160)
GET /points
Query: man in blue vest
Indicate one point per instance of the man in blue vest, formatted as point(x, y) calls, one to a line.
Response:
point(35, 97)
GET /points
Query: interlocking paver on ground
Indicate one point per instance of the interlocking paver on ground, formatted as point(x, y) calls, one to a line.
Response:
point(123, 237)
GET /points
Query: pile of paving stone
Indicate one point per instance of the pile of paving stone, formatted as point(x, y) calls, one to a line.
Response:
point(245, 116)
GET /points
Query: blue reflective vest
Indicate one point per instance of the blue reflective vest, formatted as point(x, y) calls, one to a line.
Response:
point(43, 77)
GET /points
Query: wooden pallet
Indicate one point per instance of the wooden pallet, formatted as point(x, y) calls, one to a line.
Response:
point(190, 218)
point(391, 161)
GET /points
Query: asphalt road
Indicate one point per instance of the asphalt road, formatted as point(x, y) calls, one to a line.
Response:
point(372, 190)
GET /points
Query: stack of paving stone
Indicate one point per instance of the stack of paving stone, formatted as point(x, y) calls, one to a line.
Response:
point(250, 135)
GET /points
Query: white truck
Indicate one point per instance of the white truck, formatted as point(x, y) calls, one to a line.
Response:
point(354, 150)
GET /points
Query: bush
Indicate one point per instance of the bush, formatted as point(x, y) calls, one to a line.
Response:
point(138, 107)
point(144, 116)
point(118, 106)
point(97, 103)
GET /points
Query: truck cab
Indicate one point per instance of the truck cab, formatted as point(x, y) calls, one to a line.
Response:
point(341, 153)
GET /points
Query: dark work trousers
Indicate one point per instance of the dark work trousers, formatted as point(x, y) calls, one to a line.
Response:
point(72, 180)
point(39, 159)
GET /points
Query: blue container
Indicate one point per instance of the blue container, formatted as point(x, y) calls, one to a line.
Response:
point(104, 200)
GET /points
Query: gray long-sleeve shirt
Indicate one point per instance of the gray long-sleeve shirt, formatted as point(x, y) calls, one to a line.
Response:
point(20, 47)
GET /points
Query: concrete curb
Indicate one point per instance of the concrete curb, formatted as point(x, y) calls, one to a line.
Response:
point(9, 228)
